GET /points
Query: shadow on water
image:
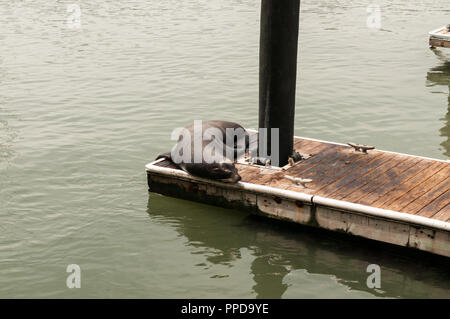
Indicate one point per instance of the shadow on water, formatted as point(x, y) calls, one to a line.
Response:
point(279, 248)
point(440, 75)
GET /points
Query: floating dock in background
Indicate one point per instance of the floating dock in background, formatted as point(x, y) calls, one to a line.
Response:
point(389, 197)
point(440, 37)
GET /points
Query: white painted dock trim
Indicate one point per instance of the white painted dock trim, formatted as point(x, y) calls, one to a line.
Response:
point(383, 213)
point(318, 200)
point(438, 35)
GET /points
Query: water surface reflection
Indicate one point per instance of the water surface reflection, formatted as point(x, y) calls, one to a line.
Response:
point(440, 75)
point(280, 249)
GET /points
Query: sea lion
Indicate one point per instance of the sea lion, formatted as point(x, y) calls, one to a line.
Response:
point(208, 149)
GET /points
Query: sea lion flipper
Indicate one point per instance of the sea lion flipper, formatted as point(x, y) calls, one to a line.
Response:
point(166, 155)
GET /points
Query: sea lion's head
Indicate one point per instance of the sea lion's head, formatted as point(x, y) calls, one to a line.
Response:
point(226, 172)
point(220, 171)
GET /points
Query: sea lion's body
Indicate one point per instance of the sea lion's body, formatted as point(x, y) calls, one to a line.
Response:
point(233, 147)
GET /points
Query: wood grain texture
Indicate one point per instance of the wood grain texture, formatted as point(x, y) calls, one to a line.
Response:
point(355, 191)
point(443, 214)
point(385, 182)
point(414, 188)
point(380, 179)
point(434, 202)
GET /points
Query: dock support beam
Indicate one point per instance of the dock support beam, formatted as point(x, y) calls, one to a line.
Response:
point(278, 71)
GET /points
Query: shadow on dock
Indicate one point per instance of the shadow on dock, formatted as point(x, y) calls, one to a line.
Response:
point(440, 75)
point(280, 248)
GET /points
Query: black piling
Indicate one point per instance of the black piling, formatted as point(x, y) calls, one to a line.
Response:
point(278, 71)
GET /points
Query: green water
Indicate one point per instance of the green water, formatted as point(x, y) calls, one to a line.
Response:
point(83, 110)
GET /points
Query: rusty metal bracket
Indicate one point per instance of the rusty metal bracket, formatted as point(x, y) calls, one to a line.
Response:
point(361, 148)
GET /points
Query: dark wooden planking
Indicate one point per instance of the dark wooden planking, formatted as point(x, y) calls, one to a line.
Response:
point(380, 179)
point(307, 169)
point(340, 159)
point(354, 172)
point(384, 183)
point(247, 172)
point(418, 205)
point(316, 149)
point(356, 190)
point(443, 214)
point(329, 171)
point(319, 164)
point(303, 146)
point(320, 151)
point(252, 174)
point(390, 200)
point(266, 179)
point(435, 205)
point(438, 173)
point(270, 179)
point(325, 155)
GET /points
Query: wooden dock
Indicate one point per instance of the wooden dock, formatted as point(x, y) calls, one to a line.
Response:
point(440, 38)
point(384, 196)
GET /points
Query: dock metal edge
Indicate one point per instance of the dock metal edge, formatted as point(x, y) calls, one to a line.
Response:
point(313, 199)
point(440, 36)
point(360, 220)
point(438, 39)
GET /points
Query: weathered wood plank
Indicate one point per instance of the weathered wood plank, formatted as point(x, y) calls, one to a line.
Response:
point(395, 182)
point(315, 169)
point(327, 174)
point(386, 183)
point(278, 178)
point(440, 199)
point(408, 185)
point(354, 171)
point(418, 187)
point(423, 198)
point(356, 189)
point(443, 214)
point(248, 173)
point(380, 179)
point(330, 153)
